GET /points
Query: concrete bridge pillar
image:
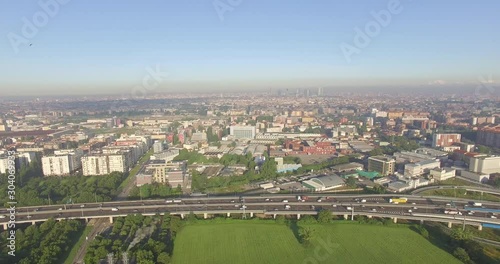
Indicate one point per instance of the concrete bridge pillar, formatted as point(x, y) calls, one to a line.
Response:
point(450, 224)
point(86, 220)
point(33, 222)
point(4, 226)
point(182, 216)
point(422, 222)
point(369, 216)
point(251, 214)
point(111, 219)
point(346, 217)
point(274, 216)
point(205, 216)
point(395, 220)
point(298, 216)
point(228, 214)
point(480, 227)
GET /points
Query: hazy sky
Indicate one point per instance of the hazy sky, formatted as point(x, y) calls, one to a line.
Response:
point(100, 46)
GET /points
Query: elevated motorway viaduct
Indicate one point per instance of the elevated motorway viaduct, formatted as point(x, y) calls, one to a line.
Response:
point(419, 208)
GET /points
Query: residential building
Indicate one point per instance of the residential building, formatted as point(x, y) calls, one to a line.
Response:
point(103, 164)
point(63, 162)
point(158, 146)
point(382, 164)
point(172, 173)
point(489, 136)
point(445, 140)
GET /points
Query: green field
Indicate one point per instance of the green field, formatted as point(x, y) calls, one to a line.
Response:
point(274, 243)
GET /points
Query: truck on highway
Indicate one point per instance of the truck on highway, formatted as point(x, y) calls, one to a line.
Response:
point(477, 204)
point(114, 209)
point(398, 200)
point(177, 200)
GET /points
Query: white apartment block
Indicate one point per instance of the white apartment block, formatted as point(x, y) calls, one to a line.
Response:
point(104, 164)
point(63, 162)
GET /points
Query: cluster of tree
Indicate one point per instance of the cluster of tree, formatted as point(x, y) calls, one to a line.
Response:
point(191, 157)
point(46, 243)
point(201, 183)
point(154, 190)
point(291, 160)
point(75, 189)
point(157, 248)
point(398, 144)
point(264, 118)
point(324, 164)
point(23, 174)
point(232, 159)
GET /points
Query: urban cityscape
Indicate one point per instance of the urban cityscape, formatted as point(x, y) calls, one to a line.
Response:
point(283, 162)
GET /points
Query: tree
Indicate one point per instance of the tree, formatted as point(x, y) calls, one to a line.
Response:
point(324, 216)
point(462, 255)
point(351, 182)
point(376, 152)
point(163, 258)
point(306, 235)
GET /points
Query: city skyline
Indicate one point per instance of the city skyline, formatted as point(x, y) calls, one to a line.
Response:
point(252, 45)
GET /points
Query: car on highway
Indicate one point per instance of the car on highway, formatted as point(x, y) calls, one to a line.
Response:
point(2, 216)
point(494, 217)
point(232, 201)
point(267, 200)
point(415, 208)
point(114, 209)
point(334, 205)
point(236, 205)
point(363, 201)
point(81, 206)
point(169, 201)
point(313, 207)
point(244, 206)
point(287, 207)
point(470, 213)
point(285, 201)
point(60, 209)
point(374, 210)
point(29, 216)
point(319, 200)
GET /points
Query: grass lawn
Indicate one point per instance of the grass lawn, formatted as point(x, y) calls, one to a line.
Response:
point(334, 243)
point(78, 241)
point(462, 193)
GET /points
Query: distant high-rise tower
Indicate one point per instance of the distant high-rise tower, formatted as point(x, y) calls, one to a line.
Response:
point(308, 92)
point(320, 91)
